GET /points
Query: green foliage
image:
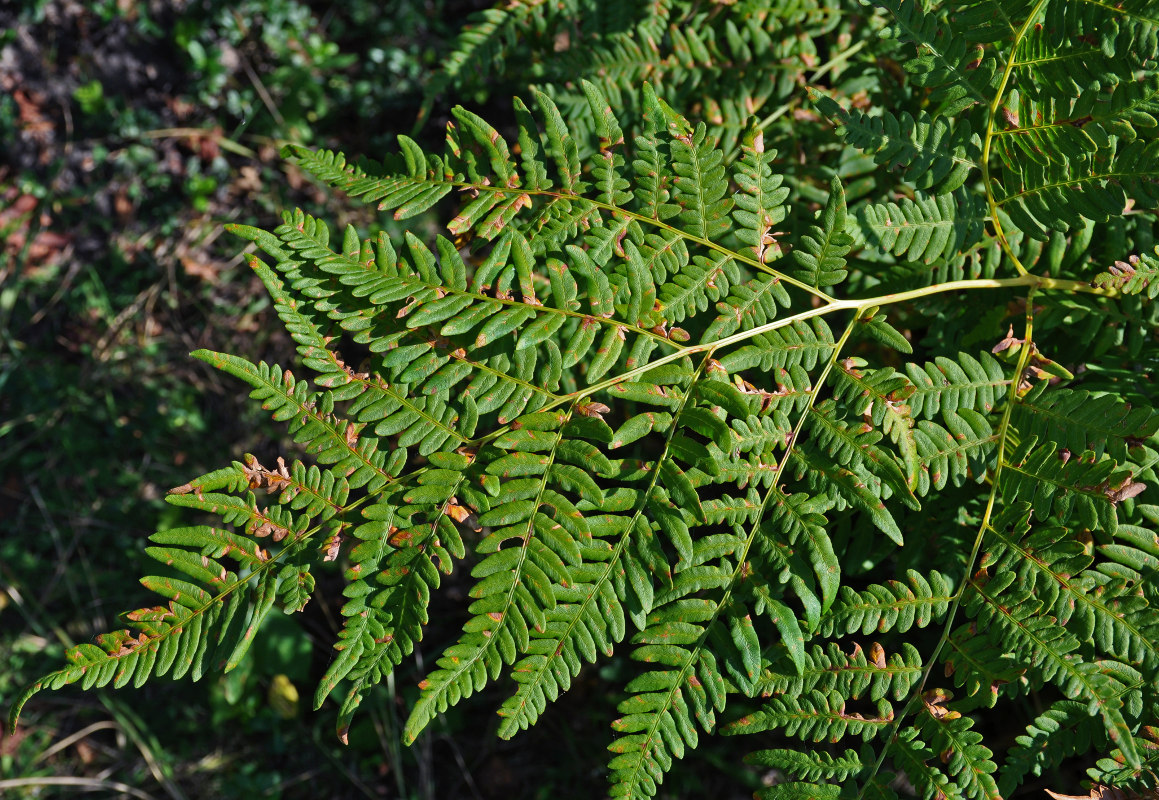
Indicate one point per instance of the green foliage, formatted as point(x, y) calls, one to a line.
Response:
point(614, 403)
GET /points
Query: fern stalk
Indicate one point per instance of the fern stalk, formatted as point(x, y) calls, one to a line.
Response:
point(988, 139)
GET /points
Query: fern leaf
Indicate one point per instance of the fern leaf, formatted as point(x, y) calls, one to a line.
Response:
point(980, 661)
point(197, 623)
point(604, 386)
point(821, 257)
point(926, 151)
point(954, 453)
point(958, 75)
point(760, 203)
point(657, 718)
point(967, 760)
point(332, 441)
point(880, 395)
point(1044, 197)
point(517, 584)
point(925, 229)
point(814, 716)
point(801, 343)
point(854, 675)
point(1136, 275)
point(815, 765)
point(912, 756)
point(751, 303)
point(1061, 731)
point(946, 385)
point(1062, 485)
point(899, 606)
point(700, 184)
point(1048, 648)
point(1098, 609)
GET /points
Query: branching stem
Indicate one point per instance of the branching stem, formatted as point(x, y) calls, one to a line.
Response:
point(992, 117)
point(995, 483)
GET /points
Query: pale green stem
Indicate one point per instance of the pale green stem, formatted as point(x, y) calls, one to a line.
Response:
point(1003, 436)
point(989, 137)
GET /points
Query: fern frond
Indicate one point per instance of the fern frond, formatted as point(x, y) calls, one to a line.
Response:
point(516, 586)
point(1080, 420)
point(912, 756)
point(1045, 197)
point(1061, 731)
point(967, 760)
point(802, 343)
point(958, 75)
point(962, 449)
point(815, 716)
point(927, 151)
point(855, 675)
point(814, 765)
point(760, 203)
point(1004, 601)
point(1136, 275)
point(881, 395)
point(980, 661)
point(607, 393)
point(660, 716)
point(1100, 610)
point(947, 385)
point(899, 606)
point(926, 229)
point(1062, 485)
point(1073, 127)
point(205, 623)
point(821, 257)
point(311, 420)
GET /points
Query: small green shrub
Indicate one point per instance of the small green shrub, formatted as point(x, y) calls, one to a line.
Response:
point(849, 438)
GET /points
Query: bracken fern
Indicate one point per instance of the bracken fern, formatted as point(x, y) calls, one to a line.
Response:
point(644, 417)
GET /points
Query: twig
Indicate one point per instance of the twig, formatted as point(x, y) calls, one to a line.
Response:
point(85, 784)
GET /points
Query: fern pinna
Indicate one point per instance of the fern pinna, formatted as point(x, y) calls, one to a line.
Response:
point(866, 480)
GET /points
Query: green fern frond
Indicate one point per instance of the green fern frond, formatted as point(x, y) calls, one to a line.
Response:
point(1046, 647)
point(1044, 197)
point(980, 661)
point(812, 765)
point(958, 75)
point(206, 622)
point(925, 151)
point(1136, 275)
point(814, 716)
point(926, 229)
point(913, 757)
point(968, 762)
point(1067, 128)
point(899, 606)
point(1081, 420)
point(821, 257)
point(855, 675)
point(1062, 485)
point(1042, 747)
point(947, 385)
point(954, 453)
point(607, 395)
